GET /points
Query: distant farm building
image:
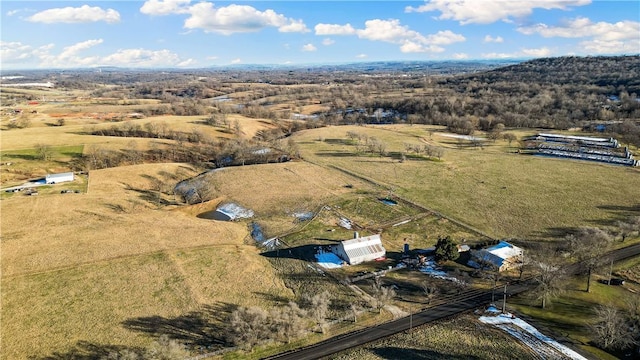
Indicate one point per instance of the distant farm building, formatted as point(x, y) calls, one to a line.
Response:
point(502, 256)
point(605, 150)
point(58, 178)
point(360, 249)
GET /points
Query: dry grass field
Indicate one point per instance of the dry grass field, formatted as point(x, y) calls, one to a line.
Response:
point(78, 267)
point(491, 188)
point(76, 131)
point(121, 263)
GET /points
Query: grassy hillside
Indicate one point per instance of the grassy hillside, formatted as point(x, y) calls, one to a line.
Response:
point(491, 188)
point(77, 268)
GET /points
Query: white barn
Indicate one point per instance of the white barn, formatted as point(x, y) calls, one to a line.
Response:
point(360, 249)
point(58, 178)
point(502, 256)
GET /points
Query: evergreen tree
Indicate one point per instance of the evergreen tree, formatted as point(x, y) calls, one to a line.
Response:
point(446, 249)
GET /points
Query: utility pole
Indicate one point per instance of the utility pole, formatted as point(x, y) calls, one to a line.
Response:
point(504, 299)
point(410, 318)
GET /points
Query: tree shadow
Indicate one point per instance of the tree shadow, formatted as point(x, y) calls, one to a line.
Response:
point(556, 232)
point(205, 328)
point(396, 353)
point(335, 154)
point(88, 351)
point(303, 252)
point(276, 299)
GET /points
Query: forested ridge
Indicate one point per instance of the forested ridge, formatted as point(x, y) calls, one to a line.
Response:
point(548, 93)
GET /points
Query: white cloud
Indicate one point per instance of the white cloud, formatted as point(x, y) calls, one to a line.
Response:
point(17, 52)
point(236, 61)
point(446, 37)
point(225, 20)
point(328, 41)
point(523, 53)
point(392, 31)
point(212, 57)
point(584, 27)
point(486, 12)
point(460, 56)
point(294, 26)
point(165, 7)
point(71, 52)
point(604, 37)
point(410, 41)
point(83, 14)
point(611, 47)
point(497, 39)
point(13, 12)
point(334, 29)
point(499, 55)
point(238, 18)
point(142, 58)
point(361, 56)
point(74, 56)
point(309, 47)
point(541, 52)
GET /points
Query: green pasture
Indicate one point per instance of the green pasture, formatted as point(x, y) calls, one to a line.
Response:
point(22, 165)
point(568, 316)
point(492, 188)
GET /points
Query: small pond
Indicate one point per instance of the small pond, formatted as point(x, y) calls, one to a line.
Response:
point(389, 202)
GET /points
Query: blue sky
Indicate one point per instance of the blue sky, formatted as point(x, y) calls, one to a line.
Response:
point(203, 33)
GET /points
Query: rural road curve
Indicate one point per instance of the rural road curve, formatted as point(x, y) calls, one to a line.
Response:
point(467, 301)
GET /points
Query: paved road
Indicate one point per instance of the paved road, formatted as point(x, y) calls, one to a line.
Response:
point(469, 300)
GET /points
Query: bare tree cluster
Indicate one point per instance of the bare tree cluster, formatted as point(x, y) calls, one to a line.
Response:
point(615, 329)
point(587, 246)
point(428, 150)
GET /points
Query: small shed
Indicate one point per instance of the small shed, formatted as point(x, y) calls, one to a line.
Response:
point(502, 256)
point(58, 178)
point(360, 249)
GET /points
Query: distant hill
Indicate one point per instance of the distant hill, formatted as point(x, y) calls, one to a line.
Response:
point(617, 73)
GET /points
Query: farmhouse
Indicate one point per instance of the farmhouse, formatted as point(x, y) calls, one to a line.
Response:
point(502, 256)
point(360, 249)
point(58, 178)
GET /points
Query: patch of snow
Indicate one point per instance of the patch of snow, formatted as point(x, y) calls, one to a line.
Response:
point(530, 336)
point(464, 137)
point(431, 268)
point(345, 223)
point(328, 260)
point(235, 211)
point(271, 243)
point(303, 216)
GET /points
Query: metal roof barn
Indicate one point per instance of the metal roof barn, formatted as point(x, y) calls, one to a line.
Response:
point(58, 178)
point(502, 255)
point(360, 249)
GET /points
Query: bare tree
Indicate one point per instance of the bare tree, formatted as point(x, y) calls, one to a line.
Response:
point(587, 246)
point(166, 349)
point(629, 227)
point(318, 307)
point(429, 291)
point(382, 295)
point(249, 326)
point(548, 275)
point(44, 152)
point(355, 310)
point(610, 329)
point(509, 137)
point(288, 321)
